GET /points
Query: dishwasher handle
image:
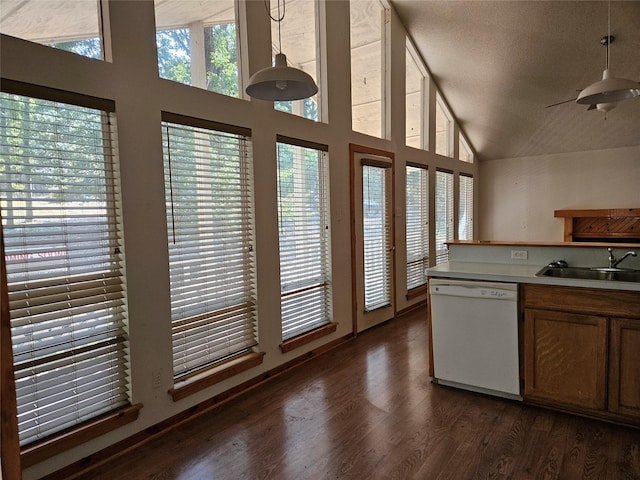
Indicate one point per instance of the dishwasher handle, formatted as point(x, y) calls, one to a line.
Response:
point(486, 292)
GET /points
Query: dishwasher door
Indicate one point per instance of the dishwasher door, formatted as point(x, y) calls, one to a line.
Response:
point(474, 329)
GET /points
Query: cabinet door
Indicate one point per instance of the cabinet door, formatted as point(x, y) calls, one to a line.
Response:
point(624, 367)
point(565, 358)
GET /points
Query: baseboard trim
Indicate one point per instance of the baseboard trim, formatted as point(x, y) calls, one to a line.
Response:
point(411, 308)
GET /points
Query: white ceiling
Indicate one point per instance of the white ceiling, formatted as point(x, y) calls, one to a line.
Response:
point(499, 63)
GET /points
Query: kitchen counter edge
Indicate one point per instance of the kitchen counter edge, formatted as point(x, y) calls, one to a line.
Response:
point(498, 272)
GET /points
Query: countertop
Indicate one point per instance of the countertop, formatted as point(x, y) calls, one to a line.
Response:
point(514, 273)
point(501, 243)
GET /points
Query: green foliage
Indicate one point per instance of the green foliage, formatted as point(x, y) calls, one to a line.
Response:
point(90, 47)
point(174, 55)
point(309, 108)
point(221, 55)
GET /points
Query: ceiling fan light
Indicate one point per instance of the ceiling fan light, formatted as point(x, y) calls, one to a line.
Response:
point(609, 90)
point(281, 83)
point(606, 107)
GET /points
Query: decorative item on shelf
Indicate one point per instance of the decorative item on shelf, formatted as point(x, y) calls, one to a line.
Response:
point(610, 90)
point(280, 82)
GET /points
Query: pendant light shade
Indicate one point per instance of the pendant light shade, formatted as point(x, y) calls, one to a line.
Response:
point(281, 82)
point(609, 89)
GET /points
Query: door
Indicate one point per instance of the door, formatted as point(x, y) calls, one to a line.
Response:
point(372, 239)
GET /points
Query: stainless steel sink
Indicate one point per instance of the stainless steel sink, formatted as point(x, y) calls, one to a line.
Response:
point(611, 274)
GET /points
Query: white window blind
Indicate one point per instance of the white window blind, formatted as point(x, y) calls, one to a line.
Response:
point(417, 225)
point(376, 191)
point(209, 202)
point(65, 274)
point(304, 235)
point(465, 215)
point(444, 214)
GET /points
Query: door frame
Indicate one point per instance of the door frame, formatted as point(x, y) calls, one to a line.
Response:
point(354, 150)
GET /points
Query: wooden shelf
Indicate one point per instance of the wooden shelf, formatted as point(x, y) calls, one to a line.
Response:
point(601, 225)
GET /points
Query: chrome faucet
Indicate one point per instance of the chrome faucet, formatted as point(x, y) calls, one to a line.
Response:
point(613, 262)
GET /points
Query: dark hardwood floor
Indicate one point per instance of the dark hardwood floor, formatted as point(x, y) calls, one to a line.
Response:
point(367, 410)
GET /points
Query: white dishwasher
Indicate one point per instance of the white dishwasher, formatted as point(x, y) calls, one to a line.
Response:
point(474, 329)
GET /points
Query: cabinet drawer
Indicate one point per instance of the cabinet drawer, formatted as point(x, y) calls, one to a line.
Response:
point(614, 303)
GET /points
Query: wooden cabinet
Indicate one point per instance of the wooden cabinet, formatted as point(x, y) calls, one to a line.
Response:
point(581, 350)
point(624, 367)
point(565, 358)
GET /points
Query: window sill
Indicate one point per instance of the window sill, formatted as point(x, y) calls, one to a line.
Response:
point(417, 292)
point(216, 374)
point(308, 337)
point(59, 442)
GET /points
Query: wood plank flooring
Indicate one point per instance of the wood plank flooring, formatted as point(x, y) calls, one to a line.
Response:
point(367, 410)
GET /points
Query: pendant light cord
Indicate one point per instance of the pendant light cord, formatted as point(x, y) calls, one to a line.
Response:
point(277, 20)
point(608, 34)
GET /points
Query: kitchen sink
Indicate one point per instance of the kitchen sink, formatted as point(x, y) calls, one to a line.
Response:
point(583, 273)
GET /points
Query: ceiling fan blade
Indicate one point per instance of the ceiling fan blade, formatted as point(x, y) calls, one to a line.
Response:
point(561, 103)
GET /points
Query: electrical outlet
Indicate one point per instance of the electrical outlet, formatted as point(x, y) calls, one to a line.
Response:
point(518, 254)
point(156, 378)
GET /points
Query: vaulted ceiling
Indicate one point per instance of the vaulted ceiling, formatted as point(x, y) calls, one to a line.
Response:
point(500, 63)
point(497, 63)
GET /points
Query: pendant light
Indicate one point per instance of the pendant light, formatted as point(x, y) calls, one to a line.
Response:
point(610, 89)
point(280, 82)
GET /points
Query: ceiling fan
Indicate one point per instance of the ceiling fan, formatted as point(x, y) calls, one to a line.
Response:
point(606, 93)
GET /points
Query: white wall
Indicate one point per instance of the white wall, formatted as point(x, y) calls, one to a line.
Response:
point(519, 195)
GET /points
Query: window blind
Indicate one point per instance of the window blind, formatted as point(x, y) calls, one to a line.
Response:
point(417, 225)
point(65, 274)
point(444, 214)
point(208, 186)
point(465, 215)
point(377, 238)
point(304, 236)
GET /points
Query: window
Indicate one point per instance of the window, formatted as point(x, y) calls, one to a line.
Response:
point(464, 151)
point(65, 264)
point(417, 234)
point(414, 98)
point(368, 45)
point(72, 25)
point(300, 42)
point(444, 214)
point(377, 236)
point(208, 186)
point(443, 128)
point(197, 44)
point(304, 236)
point(465, 215)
